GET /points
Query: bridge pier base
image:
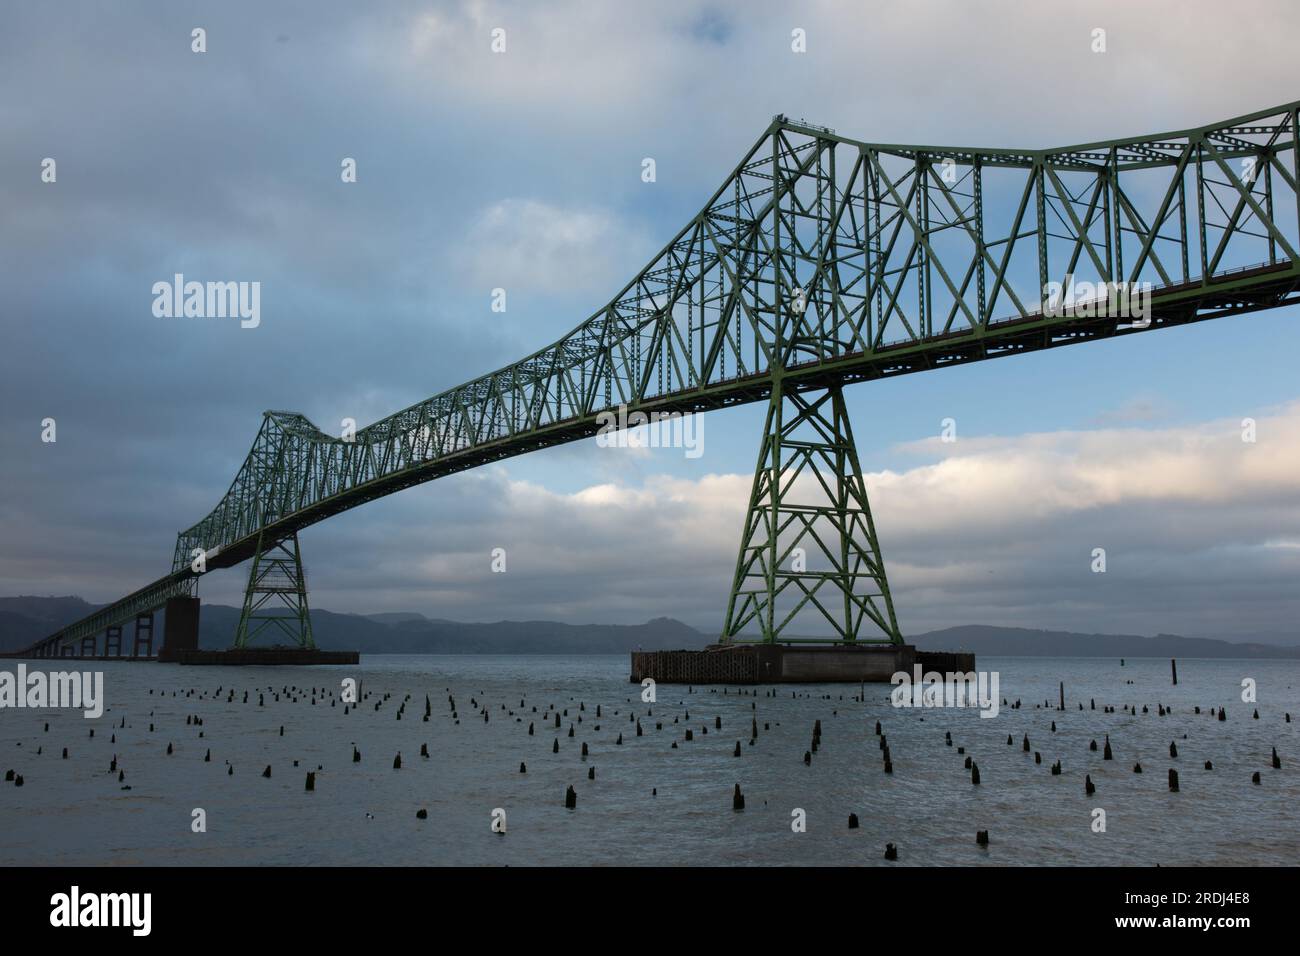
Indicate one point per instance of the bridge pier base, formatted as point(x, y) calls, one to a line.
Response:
point(113, 641)
point(88, 646)
point(809, 557)
point(180, 628)
point(782, 664)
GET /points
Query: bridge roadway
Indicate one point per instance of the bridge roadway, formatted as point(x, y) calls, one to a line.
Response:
point(798, 271)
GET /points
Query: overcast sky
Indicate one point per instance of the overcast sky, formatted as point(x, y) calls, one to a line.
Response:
point(522, 170)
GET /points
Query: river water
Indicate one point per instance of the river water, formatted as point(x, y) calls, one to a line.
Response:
point(650, 803)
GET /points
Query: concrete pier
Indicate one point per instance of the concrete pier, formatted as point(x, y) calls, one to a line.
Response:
point(790, 663)
point(180, 628)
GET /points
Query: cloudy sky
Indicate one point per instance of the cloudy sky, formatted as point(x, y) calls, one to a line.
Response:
point(522, 170)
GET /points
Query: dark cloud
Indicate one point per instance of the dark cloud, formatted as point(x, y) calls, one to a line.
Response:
point(520, 170)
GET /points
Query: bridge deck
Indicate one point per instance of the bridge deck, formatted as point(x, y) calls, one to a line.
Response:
point(819, 261)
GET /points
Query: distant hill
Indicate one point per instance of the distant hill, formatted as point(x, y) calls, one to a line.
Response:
point(24, 620)
point(416, 634)
point(395, 617)
point(1026, 642)
point(57, 610)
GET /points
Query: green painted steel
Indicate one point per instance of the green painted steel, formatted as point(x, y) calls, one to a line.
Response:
point(276, 598)
point(827, 261)
point(147, 599)
point(809, 550)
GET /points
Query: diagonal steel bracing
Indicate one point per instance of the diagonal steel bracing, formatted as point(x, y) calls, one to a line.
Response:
point(809, 558)
point(827, 261)
point(276, 599)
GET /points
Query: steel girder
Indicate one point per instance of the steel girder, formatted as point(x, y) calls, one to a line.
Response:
point(830, 261)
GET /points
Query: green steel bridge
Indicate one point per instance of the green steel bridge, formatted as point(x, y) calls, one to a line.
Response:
point(821, 261)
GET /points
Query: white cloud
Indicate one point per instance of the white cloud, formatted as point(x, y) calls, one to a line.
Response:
point(541, 247)
point(990, 529)
point(570, 62)
point(1199, 528)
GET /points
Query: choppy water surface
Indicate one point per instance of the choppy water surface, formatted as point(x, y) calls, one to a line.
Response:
point(75, 811)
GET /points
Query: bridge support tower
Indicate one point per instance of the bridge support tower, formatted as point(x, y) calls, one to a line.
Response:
point(180, 627)
point(276, 597)
point(113, 640)
point(143, 635)
point(809, 557)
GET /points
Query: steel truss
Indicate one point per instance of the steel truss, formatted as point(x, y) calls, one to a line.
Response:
point(276, 597)
point(826, 261)
point(809, 543)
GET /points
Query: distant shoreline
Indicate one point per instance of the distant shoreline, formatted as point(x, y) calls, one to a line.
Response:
point(25, 620)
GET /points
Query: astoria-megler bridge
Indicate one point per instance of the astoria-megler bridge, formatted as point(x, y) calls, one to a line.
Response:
point(821, 261)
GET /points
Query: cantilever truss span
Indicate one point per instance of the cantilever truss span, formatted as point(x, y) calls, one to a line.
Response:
point(820, 261)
